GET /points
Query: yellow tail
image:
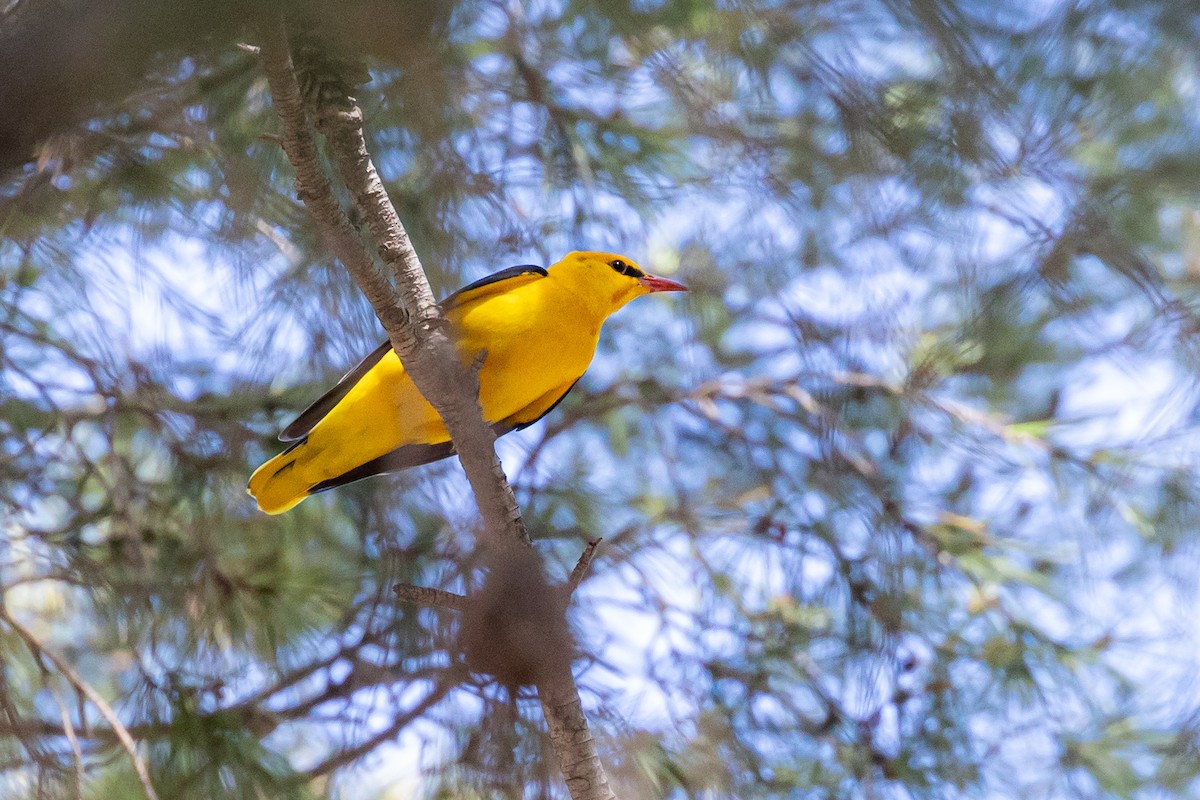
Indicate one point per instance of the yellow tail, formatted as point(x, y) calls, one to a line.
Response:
point(278, 485)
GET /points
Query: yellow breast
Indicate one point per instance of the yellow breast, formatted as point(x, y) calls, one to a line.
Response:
point(537, 338)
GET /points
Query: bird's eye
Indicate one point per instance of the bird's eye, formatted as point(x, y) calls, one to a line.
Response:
point(625, 269)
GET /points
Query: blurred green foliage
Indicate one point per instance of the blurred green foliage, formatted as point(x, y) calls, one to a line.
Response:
point(900, 501)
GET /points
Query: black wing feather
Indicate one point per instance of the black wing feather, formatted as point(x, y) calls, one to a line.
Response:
point(410, 455)
point(309, 417)
point(495, 277)
point(520, 426)
point(414, 455)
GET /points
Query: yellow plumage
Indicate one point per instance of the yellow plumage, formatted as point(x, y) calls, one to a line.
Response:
point(539, 328)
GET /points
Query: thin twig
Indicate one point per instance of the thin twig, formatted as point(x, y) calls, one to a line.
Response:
point(67, 671)
point(29, 740)
point(76, 752)
point(427, 596)
point(440, 690)
point(582, 566)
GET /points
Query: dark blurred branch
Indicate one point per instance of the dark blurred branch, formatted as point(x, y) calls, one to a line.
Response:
point(427, 596)
point(119, 140)
point(412, 318)
point(252, 713)
point(64, 63)
point(352, 754)
point(47, 729)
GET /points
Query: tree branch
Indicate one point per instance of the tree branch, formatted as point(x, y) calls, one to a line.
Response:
point(426, 596)
point(582, 566)
point(413, 321)
point(340, 759)
point(574, 746)
point(408, 311)
point(84, 688)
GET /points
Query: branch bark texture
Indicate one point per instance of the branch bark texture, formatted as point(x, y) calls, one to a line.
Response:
point(413, 321)
point(407, 309)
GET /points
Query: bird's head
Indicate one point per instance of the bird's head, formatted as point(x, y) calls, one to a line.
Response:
point(610, 280)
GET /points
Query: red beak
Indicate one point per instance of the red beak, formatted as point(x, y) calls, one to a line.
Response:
point(657, 284)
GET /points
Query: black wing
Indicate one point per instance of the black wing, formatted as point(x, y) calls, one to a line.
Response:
point(417, 455)
point(511, 424)
point(495, 277)
point(309, 417)
point(409, 455)
point(414, 455)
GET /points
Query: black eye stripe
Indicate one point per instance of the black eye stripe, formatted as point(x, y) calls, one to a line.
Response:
point(625, 269)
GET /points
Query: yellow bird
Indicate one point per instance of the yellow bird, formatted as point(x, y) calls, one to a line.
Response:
point(539, 328)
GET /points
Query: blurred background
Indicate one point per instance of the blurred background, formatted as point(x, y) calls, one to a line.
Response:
point(899, 502)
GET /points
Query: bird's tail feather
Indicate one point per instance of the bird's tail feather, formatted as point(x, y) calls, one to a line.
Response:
point(277, 485)
point(295, 473)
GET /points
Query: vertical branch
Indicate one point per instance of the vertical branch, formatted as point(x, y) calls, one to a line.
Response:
point(407, 309)
point(574, 746)
point(417, 332)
